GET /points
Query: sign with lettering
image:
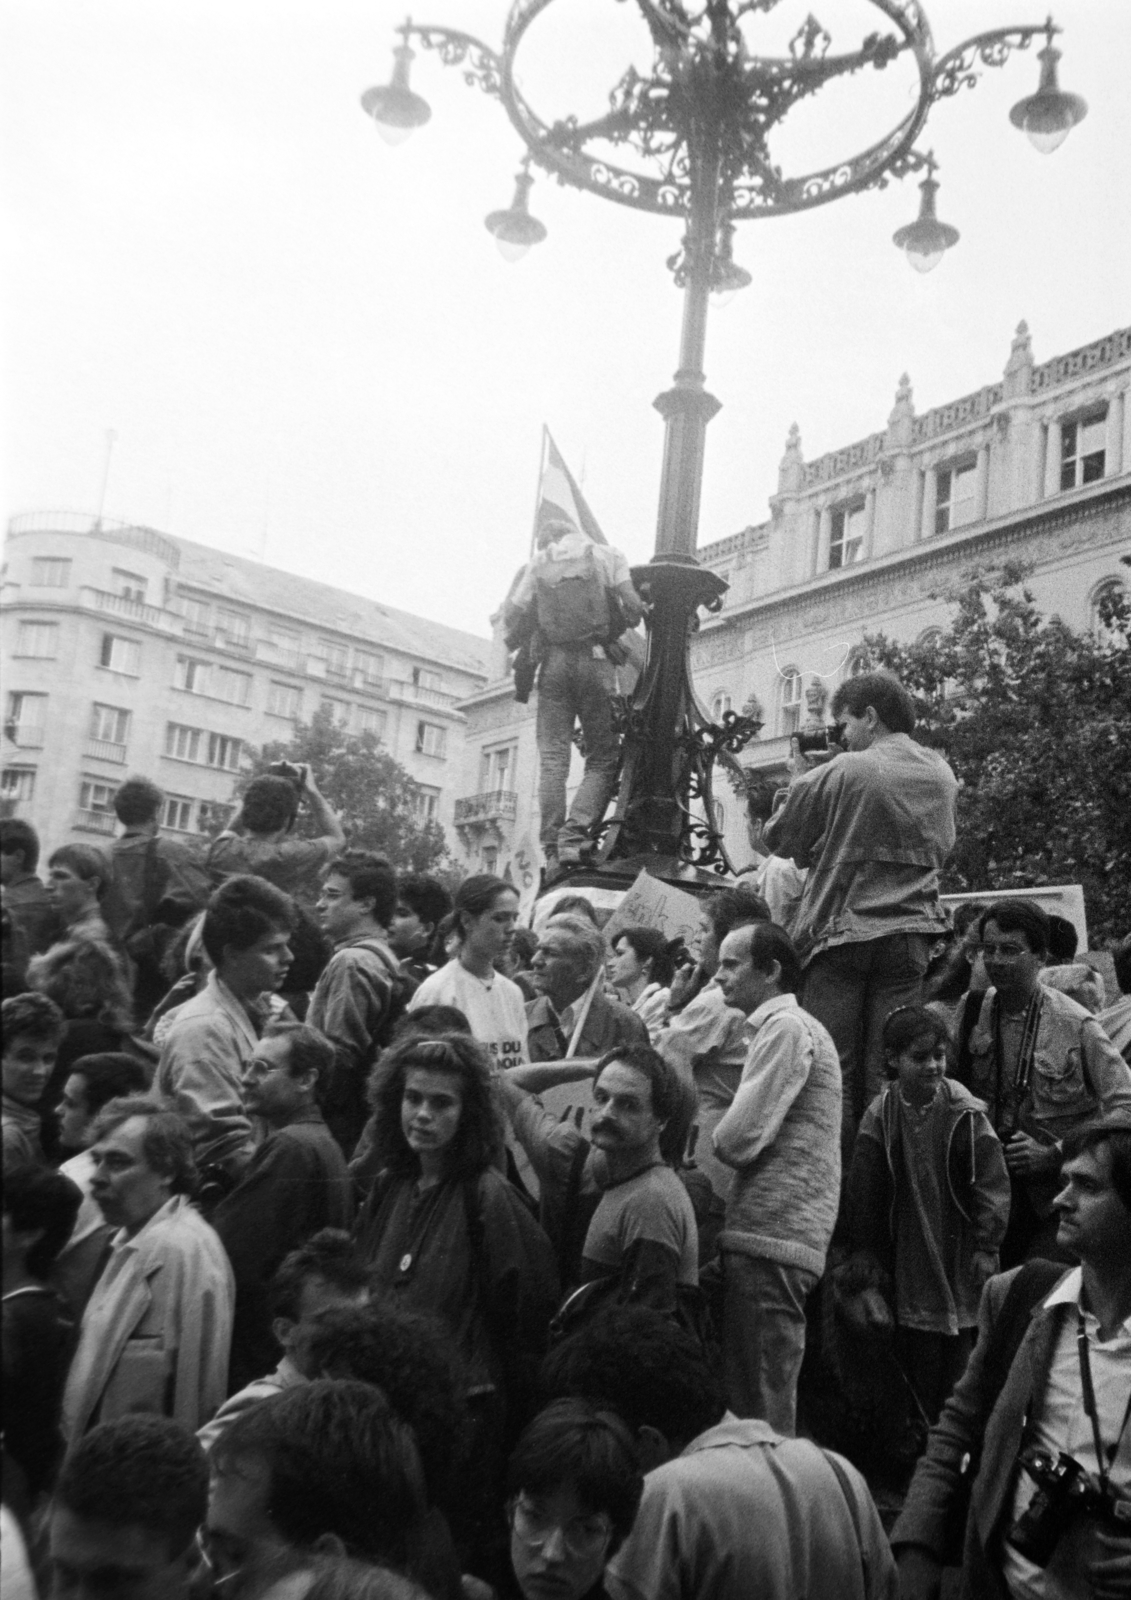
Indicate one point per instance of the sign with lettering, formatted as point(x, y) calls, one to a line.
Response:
point(653, 904)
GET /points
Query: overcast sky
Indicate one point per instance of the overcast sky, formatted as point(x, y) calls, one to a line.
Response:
point(311, 351)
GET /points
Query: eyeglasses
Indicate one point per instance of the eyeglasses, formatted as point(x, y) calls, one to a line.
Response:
point(1003, 952)
point(583, 1536)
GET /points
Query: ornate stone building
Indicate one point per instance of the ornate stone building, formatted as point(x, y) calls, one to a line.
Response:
point(126, 650)
point(1036, 466)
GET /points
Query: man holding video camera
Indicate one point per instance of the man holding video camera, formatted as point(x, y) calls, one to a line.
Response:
point(1027, 1474)
point(873, 823)
point(258, 839)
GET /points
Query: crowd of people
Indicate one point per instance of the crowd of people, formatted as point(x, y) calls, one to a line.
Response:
point(815, 1281)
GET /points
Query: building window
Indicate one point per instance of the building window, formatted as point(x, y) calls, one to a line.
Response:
point(50, 572)
point(109, 723)
point(197, 615)
point(40, 639)
point(1110, 589)
point(182, 743)
point(95, 794)
point(224, 752)
point(789, 701)
point(371, 721)
point(26, 721)
point(425, 679)
point(287, 646)
point(130, 585)
point(369, 667)
point(204, 748)
point(426, 803)
point(213, 813)
point(192, 675)
point(177, 813)
point(955, 497)
point(17, 783)
point(430, 739)
point(336, 657)
point(858, 663)
point(121, 655)
point(720, 705)
point(284, 700)
point(339, 710)
point(489, 859)
point(234, 627)
point(846, 536)
point(496, 768)
point(233, 686)
point(1082, 449)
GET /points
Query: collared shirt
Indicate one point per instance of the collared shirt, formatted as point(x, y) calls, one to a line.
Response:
point(778, 1057)
point(1061, 1423)
point(612, 565)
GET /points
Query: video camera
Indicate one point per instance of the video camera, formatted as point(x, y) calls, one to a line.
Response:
point(821, 741)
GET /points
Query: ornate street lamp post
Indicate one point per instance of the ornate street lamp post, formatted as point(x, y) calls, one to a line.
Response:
point(698, 130)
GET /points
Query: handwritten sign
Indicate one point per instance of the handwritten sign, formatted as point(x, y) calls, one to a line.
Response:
point(652, 904)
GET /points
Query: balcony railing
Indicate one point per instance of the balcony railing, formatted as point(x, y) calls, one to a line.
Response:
point(106, 750)
point(135, 610)
point(495, 805)
point(95, 821)
point(420, 696)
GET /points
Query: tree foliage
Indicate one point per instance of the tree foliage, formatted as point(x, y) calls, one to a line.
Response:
point(1035, 720)
point(372, 793)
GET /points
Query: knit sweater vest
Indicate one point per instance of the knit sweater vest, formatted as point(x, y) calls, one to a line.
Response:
point(783, 1206)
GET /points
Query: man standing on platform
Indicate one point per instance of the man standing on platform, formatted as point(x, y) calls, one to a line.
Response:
point(569, 608)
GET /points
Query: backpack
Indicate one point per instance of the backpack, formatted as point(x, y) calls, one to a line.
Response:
point(572, 600)
point(401, 990)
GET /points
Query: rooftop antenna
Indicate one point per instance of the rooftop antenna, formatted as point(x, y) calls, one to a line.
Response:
point(111, 436)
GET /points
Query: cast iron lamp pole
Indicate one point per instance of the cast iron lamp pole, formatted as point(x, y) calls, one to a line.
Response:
point(698, 126)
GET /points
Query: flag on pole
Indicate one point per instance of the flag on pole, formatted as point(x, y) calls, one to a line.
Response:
point(559, 496)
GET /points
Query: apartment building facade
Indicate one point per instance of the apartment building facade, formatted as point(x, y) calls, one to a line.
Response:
point(126, 650)
point(866, 539)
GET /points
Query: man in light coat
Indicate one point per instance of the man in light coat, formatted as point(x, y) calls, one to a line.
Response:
point(157, 1329)
point(246, 933)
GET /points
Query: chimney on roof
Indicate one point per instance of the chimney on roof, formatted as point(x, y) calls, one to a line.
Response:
point(790, 470)
point(1019, 367)
point(902, 418)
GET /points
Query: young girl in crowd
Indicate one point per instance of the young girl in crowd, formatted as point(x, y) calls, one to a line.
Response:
point(485, 914)
point(928, 1197)
point(641, 971)
point(444, 1233)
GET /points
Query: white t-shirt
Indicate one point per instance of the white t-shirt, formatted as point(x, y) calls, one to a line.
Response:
point(494, 1007)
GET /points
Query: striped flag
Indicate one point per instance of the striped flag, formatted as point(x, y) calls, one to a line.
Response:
point(559, 496)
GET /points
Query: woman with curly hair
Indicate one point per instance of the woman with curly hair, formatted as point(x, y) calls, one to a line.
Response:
point(445, 1233)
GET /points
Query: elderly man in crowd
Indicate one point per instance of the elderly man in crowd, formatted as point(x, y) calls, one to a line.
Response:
point(572, 1015)
point(295, 1184)
point(156, 1331)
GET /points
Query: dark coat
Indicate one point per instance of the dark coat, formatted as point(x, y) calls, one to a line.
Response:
point(971, 1415)
point(295, 1184)
point(609, 1025)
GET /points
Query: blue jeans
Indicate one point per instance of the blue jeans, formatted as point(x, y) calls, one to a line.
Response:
point(851, 988)
point(574, 685)
point(763, 1337)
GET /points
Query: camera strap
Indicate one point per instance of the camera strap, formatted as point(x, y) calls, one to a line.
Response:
point(1089, 1393)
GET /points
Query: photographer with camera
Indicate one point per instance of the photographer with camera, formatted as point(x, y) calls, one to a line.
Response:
point(258, 838)
point(873, 824)
point(1028, 1470)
